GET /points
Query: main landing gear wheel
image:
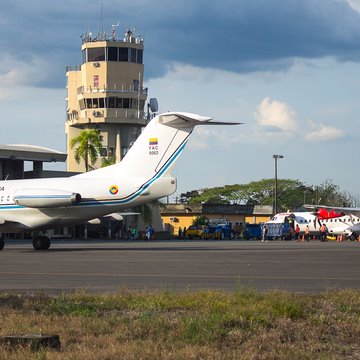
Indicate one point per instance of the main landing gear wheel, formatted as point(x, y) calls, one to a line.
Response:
point(2, 243)
point(41, 243)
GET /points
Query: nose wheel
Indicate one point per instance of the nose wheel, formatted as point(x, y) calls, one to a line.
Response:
point(41, 243)
point(2, 243)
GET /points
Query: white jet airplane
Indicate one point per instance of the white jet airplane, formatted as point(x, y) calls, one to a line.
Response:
point(142, 176)
point(338, 223)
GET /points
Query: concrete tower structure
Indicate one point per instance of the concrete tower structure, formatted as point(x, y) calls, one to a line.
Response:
point(106, 93)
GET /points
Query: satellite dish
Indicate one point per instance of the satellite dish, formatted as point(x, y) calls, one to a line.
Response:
point(154, 106)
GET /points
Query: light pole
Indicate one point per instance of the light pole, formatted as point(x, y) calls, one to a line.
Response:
point(276, 157)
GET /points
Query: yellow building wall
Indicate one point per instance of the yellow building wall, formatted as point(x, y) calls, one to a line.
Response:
point(256, 219)
point(173, 223)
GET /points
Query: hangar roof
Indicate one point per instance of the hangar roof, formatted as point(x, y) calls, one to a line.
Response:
point(30, 153)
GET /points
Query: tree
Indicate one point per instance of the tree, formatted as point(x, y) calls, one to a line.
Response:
point(292, 194)
point(107, 161)
point(200, 220)
point(328, 193)
point(88, 147)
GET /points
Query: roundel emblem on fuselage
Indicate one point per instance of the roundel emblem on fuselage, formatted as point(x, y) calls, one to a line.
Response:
point(113, 189)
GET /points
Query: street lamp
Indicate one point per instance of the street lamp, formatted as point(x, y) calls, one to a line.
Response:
point(276, 157)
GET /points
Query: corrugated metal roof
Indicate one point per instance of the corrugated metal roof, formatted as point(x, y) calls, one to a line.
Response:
point(217, 209)
point(30, 153)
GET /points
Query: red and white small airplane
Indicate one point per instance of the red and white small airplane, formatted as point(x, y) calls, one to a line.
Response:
point(336, 220)
point(142, 176)
point(343, 220)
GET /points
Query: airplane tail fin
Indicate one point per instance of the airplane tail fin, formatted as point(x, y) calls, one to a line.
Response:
point(159, 145)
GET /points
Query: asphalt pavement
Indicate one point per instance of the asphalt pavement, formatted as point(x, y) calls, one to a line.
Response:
point(108, 266)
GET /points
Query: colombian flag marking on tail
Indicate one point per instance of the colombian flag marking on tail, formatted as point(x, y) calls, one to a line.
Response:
point(153, 141)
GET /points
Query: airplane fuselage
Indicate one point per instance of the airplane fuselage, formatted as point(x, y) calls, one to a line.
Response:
point(342, 225)
point(27, 204)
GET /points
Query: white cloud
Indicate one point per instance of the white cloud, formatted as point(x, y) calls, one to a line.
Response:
point(323, 132)
point(355, 4)
point(281, 117)
point(276, 114)
point(16, 73)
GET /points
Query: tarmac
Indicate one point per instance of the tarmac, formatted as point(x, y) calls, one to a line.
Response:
point(102, 266)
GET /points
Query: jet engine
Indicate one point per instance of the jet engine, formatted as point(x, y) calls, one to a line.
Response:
point(45, 198)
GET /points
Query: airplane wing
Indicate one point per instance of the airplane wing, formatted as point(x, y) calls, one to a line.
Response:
point(120, 215)
point(344, 210)
point(113, 216)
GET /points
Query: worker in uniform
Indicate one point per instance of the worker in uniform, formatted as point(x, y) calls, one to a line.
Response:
point(323, 232)
point(297, 232)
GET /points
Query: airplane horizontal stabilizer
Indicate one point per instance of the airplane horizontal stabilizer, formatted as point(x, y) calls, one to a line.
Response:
point(182, 120)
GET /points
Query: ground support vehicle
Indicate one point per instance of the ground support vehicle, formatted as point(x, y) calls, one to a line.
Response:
point(195, 231)
point(252, 231)
point(278, 231)
point(218, 229)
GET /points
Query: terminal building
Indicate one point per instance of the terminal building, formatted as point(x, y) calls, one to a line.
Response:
point(106, 93)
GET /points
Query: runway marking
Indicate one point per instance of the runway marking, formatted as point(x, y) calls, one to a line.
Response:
point(240, 277)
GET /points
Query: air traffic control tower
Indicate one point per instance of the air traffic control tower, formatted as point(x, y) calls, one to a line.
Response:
point(106, 93)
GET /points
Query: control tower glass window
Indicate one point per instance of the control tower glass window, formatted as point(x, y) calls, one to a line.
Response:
point(133, 55)
point(84, 56)
point(123, 54)
point(111, 102)
point(112, 53)
point(139, 58)
point(96, 54)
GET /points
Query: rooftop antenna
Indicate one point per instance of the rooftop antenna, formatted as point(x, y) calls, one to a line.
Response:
point(113, 33)
point(101, 22)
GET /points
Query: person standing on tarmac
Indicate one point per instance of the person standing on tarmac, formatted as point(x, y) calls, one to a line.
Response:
point(180, 233)
point(323, 231)
point(297, 232)
point(264, 233)
point(307, 233)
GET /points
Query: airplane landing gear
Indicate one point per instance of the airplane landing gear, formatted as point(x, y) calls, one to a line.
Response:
point(2, 243)
point(41, 243)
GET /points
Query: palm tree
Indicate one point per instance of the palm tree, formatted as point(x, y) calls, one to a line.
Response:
point(110, 160)
point(89, 146)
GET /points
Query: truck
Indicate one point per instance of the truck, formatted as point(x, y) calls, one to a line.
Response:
point(218, 229)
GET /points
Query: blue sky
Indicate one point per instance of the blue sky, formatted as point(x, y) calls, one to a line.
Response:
point(288, 69)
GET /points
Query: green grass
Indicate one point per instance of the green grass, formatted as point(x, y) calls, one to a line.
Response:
point(189, 325)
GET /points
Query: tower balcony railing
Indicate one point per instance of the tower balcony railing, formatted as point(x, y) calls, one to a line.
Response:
point(107, 115)
point(73, 68)
point(105, 89)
